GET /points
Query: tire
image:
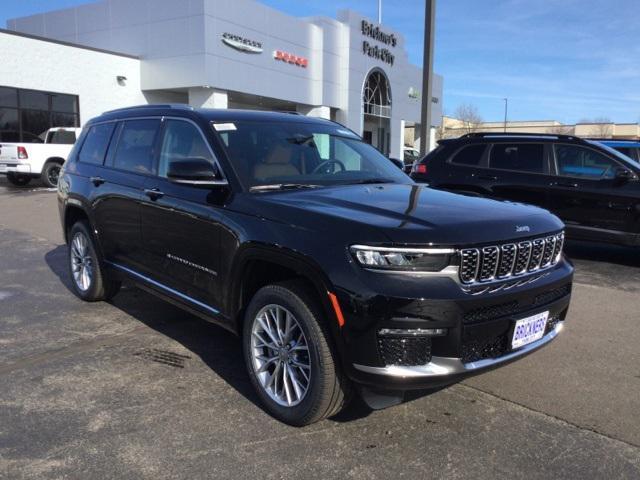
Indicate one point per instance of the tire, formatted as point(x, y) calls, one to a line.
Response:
point(50, 174)
point(327, 388)
point(90, 280)
point(18, 180)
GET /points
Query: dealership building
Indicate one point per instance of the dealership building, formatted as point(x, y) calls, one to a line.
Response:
point(63, 67)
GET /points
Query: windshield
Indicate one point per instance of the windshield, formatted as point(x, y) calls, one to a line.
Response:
point(303, 154)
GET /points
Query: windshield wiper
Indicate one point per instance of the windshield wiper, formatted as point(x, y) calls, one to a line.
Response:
point(366, 181)
point(281, 186)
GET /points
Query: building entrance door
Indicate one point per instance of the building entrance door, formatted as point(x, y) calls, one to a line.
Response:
point(376, 102)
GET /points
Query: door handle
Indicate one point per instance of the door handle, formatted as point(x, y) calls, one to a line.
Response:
point(96, 180)
point(153, 193)
point(561, 184)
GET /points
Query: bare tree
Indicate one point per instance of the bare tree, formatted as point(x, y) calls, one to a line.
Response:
point(600, 127)
point(469, 116)
point(561, 130)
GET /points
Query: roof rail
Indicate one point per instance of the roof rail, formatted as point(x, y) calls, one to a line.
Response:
point(178, 106)
point(524, 134)
point(623, 140)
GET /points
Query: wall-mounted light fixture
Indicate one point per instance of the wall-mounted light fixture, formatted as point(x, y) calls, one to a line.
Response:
point(121, 80)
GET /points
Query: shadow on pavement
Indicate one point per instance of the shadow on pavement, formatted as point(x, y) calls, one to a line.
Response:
point(218, 348)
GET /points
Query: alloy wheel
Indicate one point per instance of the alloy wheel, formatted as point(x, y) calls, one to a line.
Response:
point(53, 174)
point(280, 355)
point(81, 262)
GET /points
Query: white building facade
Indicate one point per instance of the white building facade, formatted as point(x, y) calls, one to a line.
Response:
point(219, 54)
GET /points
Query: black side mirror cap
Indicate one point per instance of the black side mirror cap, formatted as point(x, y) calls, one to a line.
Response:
point(624, 174)
point(194, 171)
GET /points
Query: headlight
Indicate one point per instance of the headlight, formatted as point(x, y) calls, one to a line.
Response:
point(405, 259)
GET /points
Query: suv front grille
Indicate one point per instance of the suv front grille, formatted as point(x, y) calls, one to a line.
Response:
point(509, 260)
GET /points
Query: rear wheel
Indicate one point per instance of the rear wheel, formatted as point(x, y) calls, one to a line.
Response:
point(50, 174)
point(18, 179)
point(289, 356)
point(89, 279)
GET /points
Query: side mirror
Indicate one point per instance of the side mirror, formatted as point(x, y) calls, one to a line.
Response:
point(194, 171)
point(625, 175)
point(397, 162)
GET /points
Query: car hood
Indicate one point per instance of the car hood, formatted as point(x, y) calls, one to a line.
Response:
point(405, 214)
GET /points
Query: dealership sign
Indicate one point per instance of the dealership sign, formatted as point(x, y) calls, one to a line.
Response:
point(374, 51)
point(290, 58)
point(241, 43)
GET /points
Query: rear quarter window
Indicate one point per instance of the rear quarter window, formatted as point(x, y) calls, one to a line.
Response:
point(470, 155)
point(523, 157)
point(95, 144)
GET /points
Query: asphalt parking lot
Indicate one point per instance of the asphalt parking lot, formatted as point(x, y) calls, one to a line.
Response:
point(136, 388)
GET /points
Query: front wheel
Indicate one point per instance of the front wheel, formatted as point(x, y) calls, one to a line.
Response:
point(289, 356)
point(18, 180)
point(89, 279)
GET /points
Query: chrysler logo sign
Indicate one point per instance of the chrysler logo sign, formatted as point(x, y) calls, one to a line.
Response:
point(241, 43)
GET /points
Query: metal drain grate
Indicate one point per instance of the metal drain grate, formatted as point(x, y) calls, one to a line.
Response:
point(163, 356)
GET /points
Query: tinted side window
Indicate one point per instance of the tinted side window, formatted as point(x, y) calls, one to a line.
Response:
point(527, 157)
point(575, 161)
point(181, 141)
point(469, 155)
point(95, 145)
point(135, 146)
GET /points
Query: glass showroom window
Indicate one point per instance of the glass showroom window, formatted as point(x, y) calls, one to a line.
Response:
point(25, 115)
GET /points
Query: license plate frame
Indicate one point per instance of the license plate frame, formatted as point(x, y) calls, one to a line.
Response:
point(529, 329)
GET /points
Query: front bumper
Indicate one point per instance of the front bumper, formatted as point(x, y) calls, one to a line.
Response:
point(479, 330)
point(447, 369)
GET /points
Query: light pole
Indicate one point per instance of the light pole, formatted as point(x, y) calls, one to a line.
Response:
point(427, 74)
point(506, 103)
point(379, 11)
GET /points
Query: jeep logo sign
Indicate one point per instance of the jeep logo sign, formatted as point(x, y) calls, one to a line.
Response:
point(241, 43)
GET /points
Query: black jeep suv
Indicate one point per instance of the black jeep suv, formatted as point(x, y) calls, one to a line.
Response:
point(593, 188)
point(336, 269)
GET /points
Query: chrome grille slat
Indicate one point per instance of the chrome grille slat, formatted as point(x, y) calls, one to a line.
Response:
point(501, 262)
point(547, 253)
point(489, 263)
point(508, 256)
point(537, 247)
point(470, 263)
point(524, 254)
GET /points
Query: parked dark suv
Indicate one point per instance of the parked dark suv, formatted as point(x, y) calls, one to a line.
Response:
point(335, 268)
point(593, 188)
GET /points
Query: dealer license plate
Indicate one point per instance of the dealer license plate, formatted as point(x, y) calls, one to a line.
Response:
point(529, 330)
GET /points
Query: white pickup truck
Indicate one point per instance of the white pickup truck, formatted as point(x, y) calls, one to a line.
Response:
point(21, 162)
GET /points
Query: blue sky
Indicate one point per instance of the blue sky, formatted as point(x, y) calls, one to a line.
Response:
point(554, 59)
